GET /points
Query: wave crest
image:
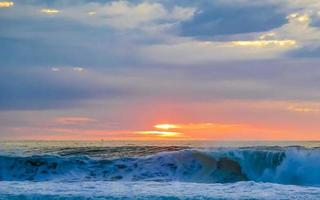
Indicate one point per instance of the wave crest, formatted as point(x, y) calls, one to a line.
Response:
point(278, 165)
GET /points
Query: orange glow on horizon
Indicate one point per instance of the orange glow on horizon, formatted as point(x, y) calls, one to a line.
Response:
point(179, 124)
point(129, 135)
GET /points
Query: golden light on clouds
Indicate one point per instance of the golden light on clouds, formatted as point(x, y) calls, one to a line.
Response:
point(265, 43)
point(50, 11)
point(303, 109)
point(197, 126)
point(6, 4)
point(191, 130)
point(302, 18)
point(210, 126)
point(160, 133)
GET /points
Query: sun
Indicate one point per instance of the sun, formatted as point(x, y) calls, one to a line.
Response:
point(166, 126)
point(163, 130)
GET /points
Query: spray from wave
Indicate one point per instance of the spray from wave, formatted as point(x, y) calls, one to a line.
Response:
point(294, 165)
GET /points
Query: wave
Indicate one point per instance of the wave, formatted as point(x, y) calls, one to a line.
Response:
point(294, 165)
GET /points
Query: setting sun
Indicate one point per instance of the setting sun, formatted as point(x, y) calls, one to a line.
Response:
point(166, 126)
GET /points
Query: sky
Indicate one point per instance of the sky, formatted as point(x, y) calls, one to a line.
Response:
point(160, 70)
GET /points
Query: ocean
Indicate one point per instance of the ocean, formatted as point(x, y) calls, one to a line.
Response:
point(159, 170)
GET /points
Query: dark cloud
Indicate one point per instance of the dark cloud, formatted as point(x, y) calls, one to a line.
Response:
point(28, 89)
point(215, 18)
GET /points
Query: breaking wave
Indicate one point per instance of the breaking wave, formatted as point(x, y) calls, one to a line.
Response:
point(291, 165)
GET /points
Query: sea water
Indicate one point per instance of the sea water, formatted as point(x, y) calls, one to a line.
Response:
point(159, 170)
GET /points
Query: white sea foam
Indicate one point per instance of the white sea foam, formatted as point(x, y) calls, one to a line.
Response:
point(153, 190)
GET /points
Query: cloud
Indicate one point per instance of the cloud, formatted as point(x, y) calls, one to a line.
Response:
point(58, 134)
point(295, 35)
point(74, 120)
point(217, 18)
point(201, 126)
point(45, 89)
point(265, 43)
point(6, 4)
point(39, 89)
point(50, 11)
point(68, 69)
point(121, 15)
point(55, 69)
point(189, 52)
point(124, 15)
point(312, 108)
point(153, 32)
point(78, 69)
point(137, 47)
point(166, 134)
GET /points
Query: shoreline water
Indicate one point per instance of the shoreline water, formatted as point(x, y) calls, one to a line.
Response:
point(154, 190)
